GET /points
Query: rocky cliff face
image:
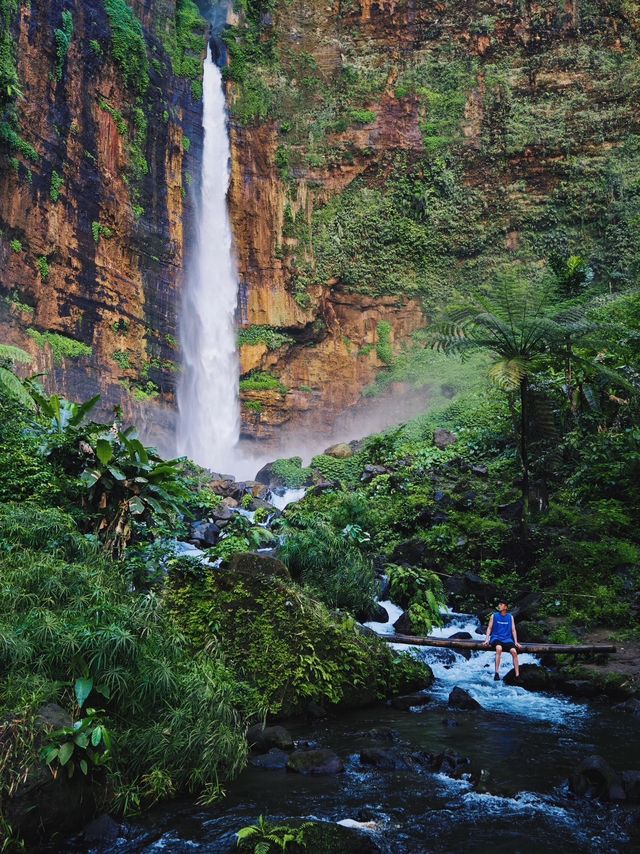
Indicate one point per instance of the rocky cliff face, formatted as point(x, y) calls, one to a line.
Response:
point(94, 201)
point(388, 155)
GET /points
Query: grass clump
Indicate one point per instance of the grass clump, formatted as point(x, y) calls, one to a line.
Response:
point(262, 381)
point(255, 334)
point(61, 346)
point(63, 36)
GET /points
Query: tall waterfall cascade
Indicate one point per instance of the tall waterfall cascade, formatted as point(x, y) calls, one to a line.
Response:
point(208, 424)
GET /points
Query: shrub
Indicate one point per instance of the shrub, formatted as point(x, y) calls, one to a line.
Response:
point(255, 334)
point(128, 46)
point(63, 40)
point(61, 346)
point(42, 263)
point(57, 183)
point(16, 246)
point(261, 381)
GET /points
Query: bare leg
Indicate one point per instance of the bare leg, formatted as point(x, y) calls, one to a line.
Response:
point(516, 663)
point(498, 656)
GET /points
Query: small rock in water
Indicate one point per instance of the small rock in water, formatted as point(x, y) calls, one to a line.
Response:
point(631, 707)
point(388, 758)
point(460, 636)
point(450, 722)
point(409, 701)
point(315, 762)
point(461, 699)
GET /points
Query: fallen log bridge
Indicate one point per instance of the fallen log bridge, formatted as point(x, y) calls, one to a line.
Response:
point(537, 648)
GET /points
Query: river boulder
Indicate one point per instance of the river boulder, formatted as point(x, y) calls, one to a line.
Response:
point(272, 760)
point(409, 701)
point(532, 677)
point(631, 707)
point(461, 699)
point(315, 762)
point(261, 739)
point(595, 778)
point(388, 758)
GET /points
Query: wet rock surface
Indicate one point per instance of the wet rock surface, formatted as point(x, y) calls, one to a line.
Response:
point(461, 699)
point(316, 762)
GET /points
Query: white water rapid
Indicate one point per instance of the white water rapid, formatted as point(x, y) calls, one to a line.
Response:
point(209, 410)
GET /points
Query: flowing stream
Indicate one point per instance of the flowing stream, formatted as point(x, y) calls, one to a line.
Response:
point(526, 745)
point(208, 425)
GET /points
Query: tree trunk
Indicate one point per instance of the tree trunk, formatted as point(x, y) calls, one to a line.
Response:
point(524, 456)
point(448, 643)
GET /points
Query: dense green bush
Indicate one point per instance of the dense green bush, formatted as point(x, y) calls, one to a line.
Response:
point(128, 46)
point(282, 642)
point(69, 612)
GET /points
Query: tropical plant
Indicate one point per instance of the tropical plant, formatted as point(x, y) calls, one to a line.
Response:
point(11, 356)
point(60, 412)
point(266, 837)
point(126, 481)
point(520, 327)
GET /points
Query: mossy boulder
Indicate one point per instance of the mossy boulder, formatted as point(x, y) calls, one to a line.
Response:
point(289, 647)
point(323, 837)
point(250, 563)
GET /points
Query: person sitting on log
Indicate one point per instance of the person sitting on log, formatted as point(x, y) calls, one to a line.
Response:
point(501, 635)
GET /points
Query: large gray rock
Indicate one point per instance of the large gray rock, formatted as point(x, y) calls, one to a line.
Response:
point(261, 739)
point(443, 438)
point(341, 451)
point(595, 778)
point(631, 784)
point(315, 762)
point(461, 699)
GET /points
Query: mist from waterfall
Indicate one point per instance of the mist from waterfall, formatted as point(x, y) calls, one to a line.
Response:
point(208, 424)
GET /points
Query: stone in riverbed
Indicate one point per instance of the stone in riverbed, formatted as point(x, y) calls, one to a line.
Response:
point(315, 762)
point(631, 783)
point(388, 758)
point(262, 739)
point(532, 677)
point(272, 760)
point(595, 778)
point(460, 636)
point(409, 701)
point(461, 699)
point(631, 707)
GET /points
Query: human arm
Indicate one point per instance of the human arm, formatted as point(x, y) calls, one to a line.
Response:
point(515, 634)
point(490, 626)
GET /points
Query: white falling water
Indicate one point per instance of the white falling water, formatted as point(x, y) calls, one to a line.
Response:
point(209, 410)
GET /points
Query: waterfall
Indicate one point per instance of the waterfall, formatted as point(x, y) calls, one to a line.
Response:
point(209, 410)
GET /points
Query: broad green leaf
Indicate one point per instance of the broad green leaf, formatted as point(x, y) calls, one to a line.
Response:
point(96, 736)
point(116, 473)
point(82, 740)
point(104, 451)
point(49, 754)
point(90, 477)
point(84, 767)
point(83, 688)
point(13, 386)
point(66, 752)
point(136, 505)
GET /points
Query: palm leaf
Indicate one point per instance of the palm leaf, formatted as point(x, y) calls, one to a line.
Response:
point(15, 388)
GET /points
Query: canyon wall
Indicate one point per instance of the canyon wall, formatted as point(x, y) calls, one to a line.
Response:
point(95, 206)
point(389, 157)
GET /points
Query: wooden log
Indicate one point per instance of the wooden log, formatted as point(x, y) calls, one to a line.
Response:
point(552, 648)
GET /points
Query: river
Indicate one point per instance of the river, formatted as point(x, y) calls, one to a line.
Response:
point(525, 743)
